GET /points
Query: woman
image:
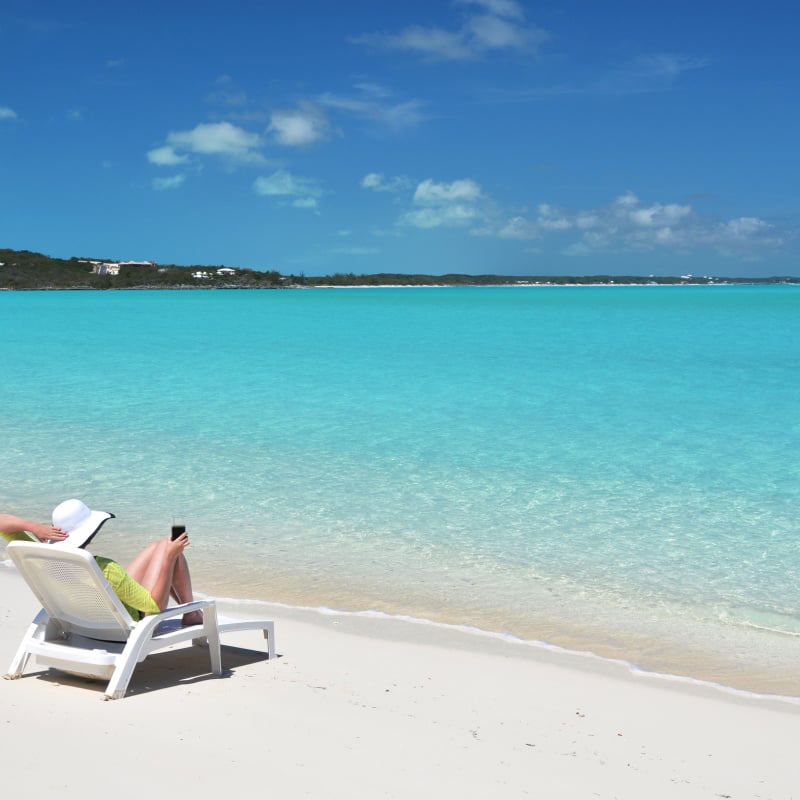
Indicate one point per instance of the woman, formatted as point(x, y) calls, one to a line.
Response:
point(158, 572)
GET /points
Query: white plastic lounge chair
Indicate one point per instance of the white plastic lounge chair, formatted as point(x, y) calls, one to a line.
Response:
point(84, 629)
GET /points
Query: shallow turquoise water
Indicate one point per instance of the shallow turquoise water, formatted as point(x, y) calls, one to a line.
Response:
point(608, 467)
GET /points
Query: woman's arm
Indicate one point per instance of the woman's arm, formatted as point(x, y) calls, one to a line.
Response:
point(11, 524)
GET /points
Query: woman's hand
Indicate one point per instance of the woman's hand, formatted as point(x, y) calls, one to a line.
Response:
point(47, 533)
point(177, 546)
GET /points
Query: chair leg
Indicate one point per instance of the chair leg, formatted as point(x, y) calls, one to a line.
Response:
point(35, 631)
point(130, 656)
point(121, 677)
point(18, 664)
point(269, 635)
point(211, 633)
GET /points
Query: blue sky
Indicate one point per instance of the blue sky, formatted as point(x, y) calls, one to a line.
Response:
point(472, 136)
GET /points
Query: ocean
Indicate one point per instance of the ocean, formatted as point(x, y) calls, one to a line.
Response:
point(610, 469)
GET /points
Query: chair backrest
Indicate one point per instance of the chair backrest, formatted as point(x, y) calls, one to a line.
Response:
point(72, 590)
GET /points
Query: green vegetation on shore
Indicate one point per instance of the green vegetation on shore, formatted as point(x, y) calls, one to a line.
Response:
point(23, 269)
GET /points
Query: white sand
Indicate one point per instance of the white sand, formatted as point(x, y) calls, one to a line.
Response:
point(363, 708)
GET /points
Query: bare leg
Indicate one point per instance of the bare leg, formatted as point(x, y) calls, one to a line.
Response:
point(182, 590)
point(182, 581)
point(162, 569)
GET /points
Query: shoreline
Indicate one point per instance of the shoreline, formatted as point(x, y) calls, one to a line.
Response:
point(721, 282)
point(415, 630)
point(684, 652)
point(357, 707)
point(640, 654)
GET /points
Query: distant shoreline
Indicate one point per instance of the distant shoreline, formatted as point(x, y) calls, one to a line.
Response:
point(25, 270)
point(522, 284)
point(328, 286)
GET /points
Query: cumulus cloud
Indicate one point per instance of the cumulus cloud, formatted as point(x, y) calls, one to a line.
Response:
point(628, 223)
point(744, 227)
point(378, 183)
point(444, 204)
point(436, 204)
point(629, 207)
point(494, 33)
point(519, 228)
point(302, 192)
point(166, 157)
point(625, 223)
point(7, 113)
point(551, 219)
point(430, 193)
point(298, 127)
point(160, 184)
point(496, 25)
point(217, 138)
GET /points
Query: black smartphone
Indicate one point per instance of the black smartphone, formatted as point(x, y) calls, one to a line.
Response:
point(177, 530)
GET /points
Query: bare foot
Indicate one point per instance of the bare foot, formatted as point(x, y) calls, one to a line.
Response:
point(193, 618)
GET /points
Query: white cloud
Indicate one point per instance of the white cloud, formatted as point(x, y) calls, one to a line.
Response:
point(627, 200)
point(501, 26)
point(519, 228)
point(220, 139)
point(373, 90)
point(449, 216)
point(460, 203)
point(280, 182)
point(305, 202)
point(648, 73)
point(165, 157)
point(436, 194)
point(160, 184)
point(298, 127)
point(444, 204)
point(493, 33)
point(551, 219)
point(502, 8)
point(304, 192)
point(629, 209)
point(372, 104)
point(585, 220)
point(7, 113)
point(373, 181)
point(744, 227)
point(555, 224)
point(666, 236)
point(433, 43)
point(377, 182)
point(627, 223)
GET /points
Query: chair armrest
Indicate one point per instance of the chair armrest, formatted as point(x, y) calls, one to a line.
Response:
point(184, 608)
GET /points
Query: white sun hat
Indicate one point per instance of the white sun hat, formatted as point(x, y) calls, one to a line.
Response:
point(79, 521)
